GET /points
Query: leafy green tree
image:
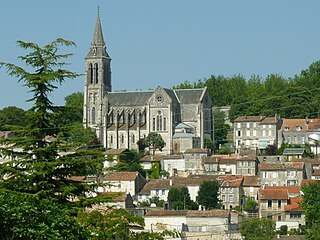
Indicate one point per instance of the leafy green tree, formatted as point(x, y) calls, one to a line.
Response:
point(208, 194)
point(250, 204)
point(116, 224)
point(220, 129)
point(179, 199)
point(258, 229)
point(28, 217)
point(154, 141)
point(11, 116)
point(39, 168)
point(311, 203)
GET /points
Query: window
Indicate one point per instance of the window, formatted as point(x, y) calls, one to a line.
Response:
point(132, 138)
point(164, 124)
point(93, 115)
point(248, 133)
point(90, 72)
point(279, 203)
point(223, 198)
point(239, 133)
point(122, 138)
point(231, 189)
point(159, 121)
point(153, 124)
point(230, 198)
point(96, 72)
point(269, 203)
point(111, 138)
point(264, 132)
point(279, 216)
point(298, 128)
point(292, 183)
point(254, 124)
point(254, 133)
point(270, 133)
point(295, 215)
point(238, 125)
point(248, 125)
point(286, 128)
point(264, 174)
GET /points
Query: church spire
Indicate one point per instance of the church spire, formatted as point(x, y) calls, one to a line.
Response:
point(98, 46)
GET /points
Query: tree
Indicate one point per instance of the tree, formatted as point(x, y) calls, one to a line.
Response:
point(208, 194)
point(258, 229)
point(154, 141)
point(38, 168)
point(179, 199)
point(27, 217)
point(11, 116)
point(116, 224)
point(250, 204)
point(311, 203)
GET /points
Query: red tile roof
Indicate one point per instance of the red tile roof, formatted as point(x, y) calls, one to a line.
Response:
point(272, 194)
point(121, 176)
point(316, 172)
point(249, 119)
point(269, 120)
point(294, 205)
point(281, 166)
point(307, 182)
point(249, 181)
point(305, 124)
point(230, 180)
point(290, 189)
point(247, 159)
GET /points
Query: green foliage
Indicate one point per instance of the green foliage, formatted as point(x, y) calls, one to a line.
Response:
point(179, 199)
point(28, 217)
point(311, 203)
point(11, 116)
point(40, 168)
point(258, 229)
point(155, 170)
point(156, 200)
point(208, 194)
point(283, 230)
point(116, 224)
point(250, 204)
point(220, 128)
point(154, 141)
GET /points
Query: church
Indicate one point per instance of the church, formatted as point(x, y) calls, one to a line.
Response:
point(183, 117)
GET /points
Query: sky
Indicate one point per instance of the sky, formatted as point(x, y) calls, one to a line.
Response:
point(165, 42)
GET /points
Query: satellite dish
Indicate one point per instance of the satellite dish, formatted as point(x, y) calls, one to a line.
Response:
point(314, 136)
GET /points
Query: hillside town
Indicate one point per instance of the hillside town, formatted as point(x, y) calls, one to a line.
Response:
point(259, 171)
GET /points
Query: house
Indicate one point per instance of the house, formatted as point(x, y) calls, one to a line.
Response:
point(293, 191)
point(148, 161)
point(214, 221)
point(173, 164)
point(294, 216)
point(316, 174)
point(231, 191)
point(128, 182)
point(211, 164)
point(193, 160)
point(271, 203)
point(113, 156)
point(297, 132)
point(161, 187)
point(119, 200)
point(251, 186)
point(291, 153)
point(282, 174)
point(256, 132)
point(247, 166)
point(227, 165)
point(185, 138)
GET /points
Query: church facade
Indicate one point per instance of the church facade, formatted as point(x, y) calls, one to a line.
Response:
point(184, 118)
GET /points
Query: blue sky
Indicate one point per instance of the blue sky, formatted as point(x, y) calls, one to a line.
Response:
point(164, 42)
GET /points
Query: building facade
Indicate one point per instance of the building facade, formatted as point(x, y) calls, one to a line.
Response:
point(121, 119)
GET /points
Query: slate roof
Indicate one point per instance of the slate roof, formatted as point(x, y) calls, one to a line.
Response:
point(189, 96)
point(121, 176)
point(272, 194)
point(269, 120)
point(293, 151)
point(137, 98)
point(182, 126)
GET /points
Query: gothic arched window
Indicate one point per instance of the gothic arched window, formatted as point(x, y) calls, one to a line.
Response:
point(164, 124)
point(93, 115)
point(90, 72)
point(96, 72)
point(132, 138)
point(111, 138)
point(122, 138)
point(159, 121)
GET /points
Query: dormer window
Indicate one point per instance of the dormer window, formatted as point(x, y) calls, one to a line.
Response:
point(298, 128)
point(286, 128)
